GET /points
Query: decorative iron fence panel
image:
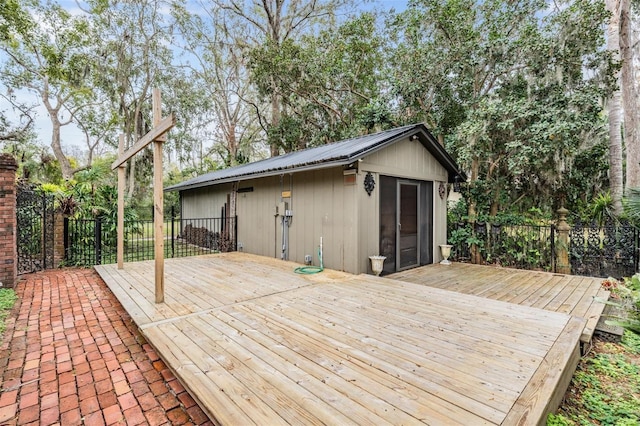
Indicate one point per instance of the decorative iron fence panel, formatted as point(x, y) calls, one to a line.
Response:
point(93, 241)
point(610, 250)
point(35, 222)
point(514, 246)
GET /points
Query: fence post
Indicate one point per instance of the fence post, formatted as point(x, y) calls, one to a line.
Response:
point(98, 240)
point(563, 266)
point(552, 233)
point(173, 218)
point(8, 221)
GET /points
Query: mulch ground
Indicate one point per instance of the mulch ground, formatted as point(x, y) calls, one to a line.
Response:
point(71, 355)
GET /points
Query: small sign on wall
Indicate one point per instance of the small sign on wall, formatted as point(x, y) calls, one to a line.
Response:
point(349, 177)
point(286, 194)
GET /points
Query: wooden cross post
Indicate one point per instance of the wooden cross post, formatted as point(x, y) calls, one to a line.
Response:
point(121, 185)
point(158, 199)
point(157, 135)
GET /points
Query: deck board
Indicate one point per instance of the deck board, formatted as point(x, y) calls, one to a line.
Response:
point(574, 295)
point(254, 343)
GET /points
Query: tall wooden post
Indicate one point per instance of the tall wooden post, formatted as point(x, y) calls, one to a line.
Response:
point(158, 199)
point(157, 136)
point(121, 185)
point(563, 266)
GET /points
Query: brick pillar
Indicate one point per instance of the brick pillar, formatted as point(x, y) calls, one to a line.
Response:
point(8, 247)
point(58, 239)
point(563, 266)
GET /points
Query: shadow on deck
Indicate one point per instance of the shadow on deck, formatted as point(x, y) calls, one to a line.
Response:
point(255, 343)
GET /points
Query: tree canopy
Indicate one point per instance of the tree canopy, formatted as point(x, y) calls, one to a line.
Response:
point(518, 92)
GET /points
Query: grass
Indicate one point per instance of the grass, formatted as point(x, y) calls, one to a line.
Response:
point(7, 300)
point(605, 389)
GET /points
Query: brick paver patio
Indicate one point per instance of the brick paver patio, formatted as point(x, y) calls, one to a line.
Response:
point(71, 355)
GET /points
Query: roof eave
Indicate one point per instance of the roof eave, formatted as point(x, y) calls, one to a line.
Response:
point(268, 173)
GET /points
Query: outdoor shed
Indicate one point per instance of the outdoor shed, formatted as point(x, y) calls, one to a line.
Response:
point(378, 194)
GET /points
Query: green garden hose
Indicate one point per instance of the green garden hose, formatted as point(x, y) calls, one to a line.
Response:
point(308, 270)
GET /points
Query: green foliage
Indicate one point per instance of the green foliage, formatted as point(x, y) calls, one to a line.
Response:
point(328, 83)
point(557, 420)
point(631, 342)
point(602, 209)
point(627, 296)
point(604, 389)
point(516, 95)
point(7, 300)
point(35, 162)
point(631, 204)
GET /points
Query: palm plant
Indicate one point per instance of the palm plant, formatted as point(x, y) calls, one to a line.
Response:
point(632, 205)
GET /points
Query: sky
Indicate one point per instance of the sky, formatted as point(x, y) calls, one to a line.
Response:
point(72, 138)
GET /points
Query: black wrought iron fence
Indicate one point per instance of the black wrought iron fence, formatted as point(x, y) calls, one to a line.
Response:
point(609, 250)
point(516, 246)
point(90, 242)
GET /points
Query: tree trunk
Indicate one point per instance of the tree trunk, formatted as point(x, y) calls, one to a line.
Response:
point(233, 210)
point(275, 120)
point(56, 125)
point(614, 107)
point(476, 256)
point(132, 177)
point(629, 97)
point(65, 165)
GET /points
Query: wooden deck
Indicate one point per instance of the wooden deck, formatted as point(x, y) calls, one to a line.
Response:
point(567, 294)
point(255, 343)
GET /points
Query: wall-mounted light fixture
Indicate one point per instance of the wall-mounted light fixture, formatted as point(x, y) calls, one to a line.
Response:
point(369, 183)
point(456, 183)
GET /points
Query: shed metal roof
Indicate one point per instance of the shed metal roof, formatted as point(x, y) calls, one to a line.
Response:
point(331, 155)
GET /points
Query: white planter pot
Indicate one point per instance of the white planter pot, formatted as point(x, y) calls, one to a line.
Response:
point(445, 250)
point(377, 264)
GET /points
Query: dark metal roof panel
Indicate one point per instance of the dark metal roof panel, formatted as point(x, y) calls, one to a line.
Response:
point(330, 155)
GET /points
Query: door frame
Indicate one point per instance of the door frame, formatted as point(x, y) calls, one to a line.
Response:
point(418, 212)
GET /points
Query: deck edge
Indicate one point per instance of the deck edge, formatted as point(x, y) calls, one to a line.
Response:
point(551, 378)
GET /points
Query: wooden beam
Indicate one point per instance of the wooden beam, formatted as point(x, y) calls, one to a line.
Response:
point(158, 198)
point(121, 185)
point(156, 133)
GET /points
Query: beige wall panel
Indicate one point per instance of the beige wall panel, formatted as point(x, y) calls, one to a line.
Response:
point(408, 159)
point(204, 202)
point(369, 222)
point(439, 222)
point(258, 226)
point(322, 208)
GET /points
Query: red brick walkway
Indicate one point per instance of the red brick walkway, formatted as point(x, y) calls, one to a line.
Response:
point(71, 355)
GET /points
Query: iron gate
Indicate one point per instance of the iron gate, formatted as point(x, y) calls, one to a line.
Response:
point(35, 229)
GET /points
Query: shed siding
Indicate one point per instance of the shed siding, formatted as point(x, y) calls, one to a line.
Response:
point(368, 222)
point(345, 216)
point(323, 207)
point(439, 221)
point(407, 159)
point(204, 202)
point(258, 227)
